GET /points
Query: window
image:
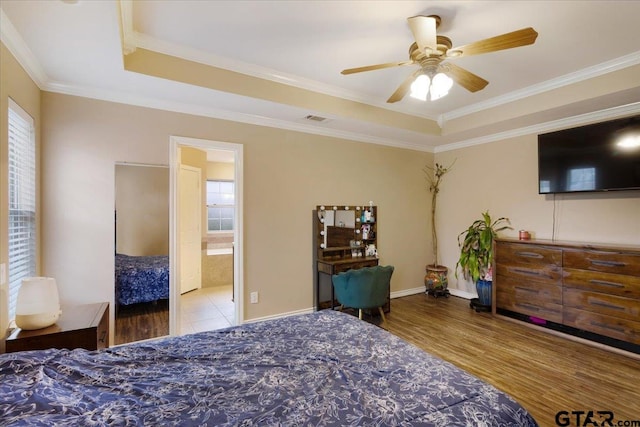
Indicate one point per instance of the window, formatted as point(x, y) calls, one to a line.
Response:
point(22, 201)
point(220, 205)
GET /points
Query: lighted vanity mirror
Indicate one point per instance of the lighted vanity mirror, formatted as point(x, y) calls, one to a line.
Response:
point(339, 225)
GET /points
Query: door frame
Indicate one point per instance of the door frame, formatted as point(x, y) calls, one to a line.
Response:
point(238, 268)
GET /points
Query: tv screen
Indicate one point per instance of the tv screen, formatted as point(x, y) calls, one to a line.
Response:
point(599, 157)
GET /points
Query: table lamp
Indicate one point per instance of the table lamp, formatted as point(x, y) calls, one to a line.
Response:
point(38, 304)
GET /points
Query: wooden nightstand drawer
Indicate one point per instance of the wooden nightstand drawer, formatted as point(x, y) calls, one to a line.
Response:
point(81, 326)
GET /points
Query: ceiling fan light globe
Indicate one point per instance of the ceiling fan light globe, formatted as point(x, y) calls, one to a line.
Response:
point(442, 82)
point(440, 86)
point(420, 87)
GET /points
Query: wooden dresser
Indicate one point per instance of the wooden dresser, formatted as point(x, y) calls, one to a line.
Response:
point(591, 291)
point(81, 326)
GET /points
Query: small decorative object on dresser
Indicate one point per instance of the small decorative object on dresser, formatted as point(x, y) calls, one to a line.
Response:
point(590, 291)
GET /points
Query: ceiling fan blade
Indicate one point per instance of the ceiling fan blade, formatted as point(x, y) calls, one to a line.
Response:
point(375, 67)
point(523, 37)
point(404, 87)
point(424, 32)
point(465, 78)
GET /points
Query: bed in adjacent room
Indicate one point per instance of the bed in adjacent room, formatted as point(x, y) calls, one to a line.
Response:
point(141, 278)
point(323, 368)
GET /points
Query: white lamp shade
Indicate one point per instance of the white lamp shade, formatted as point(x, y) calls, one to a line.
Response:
point(420, 87)
point(440, 86)
point(38, 303)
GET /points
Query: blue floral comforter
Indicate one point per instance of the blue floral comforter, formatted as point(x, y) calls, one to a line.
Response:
point(141, 278)
point(320, 369)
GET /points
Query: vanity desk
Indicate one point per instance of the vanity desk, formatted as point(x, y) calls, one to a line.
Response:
point(345, 238)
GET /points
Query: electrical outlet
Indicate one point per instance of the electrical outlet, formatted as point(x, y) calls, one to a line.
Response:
point(3, 274)
point(254, 297)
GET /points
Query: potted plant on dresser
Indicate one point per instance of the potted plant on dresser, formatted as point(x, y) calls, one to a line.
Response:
point(435, 281)
point(476, 256)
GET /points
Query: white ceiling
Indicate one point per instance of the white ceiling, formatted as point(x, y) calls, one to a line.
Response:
point(76, 48)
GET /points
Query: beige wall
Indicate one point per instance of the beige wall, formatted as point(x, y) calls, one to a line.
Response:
point(286, 174)
point(142, 210)
point(220, 171)
point(502, 177)
point(16, 84)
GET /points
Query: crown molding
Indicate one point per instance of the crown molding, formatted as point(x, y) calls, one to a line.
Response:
point(126, 26)
point(568, 79)
point(11, 38)
point(196, 110)
point(150, 43)
point(579, 120)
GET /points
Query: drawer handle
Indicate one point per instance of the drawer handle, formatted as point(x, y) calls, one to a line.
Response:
point(605, 326)
point(529, 255)
point(528, 306)
point(525, 289)
point(606, 305)
point(527, 272)
point(608, 263)
point(103, 336)
point(605, 283)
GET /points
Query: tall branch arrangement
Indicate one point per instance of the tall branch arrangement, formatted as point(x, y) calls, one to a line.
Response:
point(434, 176)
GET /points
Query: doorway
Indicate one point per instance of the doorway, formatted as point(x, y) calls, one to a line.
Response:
point(182, 301)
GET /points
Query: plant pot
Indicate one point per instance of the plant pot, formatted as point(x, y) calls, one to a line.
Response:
point(436, 278)
point(483, 287)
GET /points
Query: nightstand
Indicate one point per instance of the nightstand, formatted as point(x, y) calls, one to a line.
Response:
point(80, 326)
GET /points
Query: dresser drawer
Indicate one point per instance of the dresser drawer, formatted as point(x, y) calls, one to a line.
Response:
point(544, 273)
point(611, 305)
point(526, 255)
point(626, 263)
point(613, 327)
point(608, 283)
point(527, 290)
point(544, 303)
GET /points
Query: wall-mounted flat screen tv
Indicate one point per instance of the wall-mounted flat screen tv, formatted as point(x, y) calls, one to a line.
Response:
point(598, 157)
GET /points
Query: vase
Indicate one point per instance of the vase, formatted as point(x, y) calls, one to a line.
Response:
point(436, 278)
point(483, 287)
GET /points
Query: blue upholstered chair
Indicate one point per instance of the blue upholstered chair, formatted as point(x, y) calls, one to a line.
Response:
point(364, 288)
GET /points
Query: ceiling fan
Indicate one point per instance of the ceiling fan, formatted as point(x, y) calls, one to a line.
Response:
point(430, 51)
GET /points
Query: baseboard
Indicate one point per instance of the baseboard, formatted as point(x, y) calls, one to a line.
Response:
point(281, 315)
point(396, 294)
point(462, 294)
point(407, 292)
point(421, 290)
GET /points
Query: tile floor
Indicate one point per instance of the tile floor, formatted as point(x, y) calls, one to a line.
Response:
point(206, 309)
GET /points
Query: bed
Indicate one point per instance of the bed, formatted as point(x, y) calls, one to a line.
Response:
point(319, 369)
point(141, 278)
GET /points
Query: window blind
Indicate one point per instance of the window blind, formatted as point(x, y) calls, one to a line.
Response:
point(22, 201)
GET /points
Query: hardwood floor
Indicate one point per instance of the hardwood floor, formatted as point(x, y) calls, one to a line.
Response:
point(544, 373)
point(142, 321)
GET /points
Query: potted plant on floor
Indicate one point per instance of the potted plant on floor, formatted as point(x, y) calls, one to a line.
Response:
point(435, 281)
point(476, 254)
